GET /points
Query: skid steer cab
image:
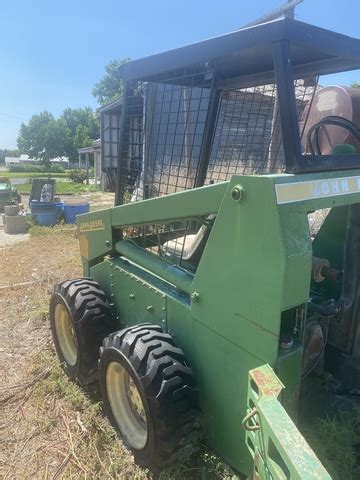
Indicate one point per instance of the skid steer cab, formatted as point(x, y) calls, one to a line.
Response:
point(220, 294)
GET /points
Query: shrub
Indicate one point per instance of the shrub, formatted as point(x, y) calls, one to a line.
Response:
point(57, 169)
point(27, 168)
point(77, 176)
point(16, 168)
point(36, 168)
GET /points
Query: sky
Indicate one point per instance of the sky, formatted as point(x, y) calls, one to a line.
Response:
point(53, 52)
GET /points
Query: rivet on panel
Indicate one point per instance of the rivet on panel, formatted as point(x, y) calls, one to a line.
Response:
point(195, 297)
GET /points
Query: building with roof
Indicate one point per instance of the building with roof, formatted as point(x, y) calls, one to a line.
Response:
point(91, 156)
point(24, 159)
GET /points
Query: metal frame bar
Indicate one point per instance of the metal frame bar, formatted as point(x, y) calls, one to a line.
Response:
point(182, 205)
point(321, 163)
point(326, 67)
point(210, 126)
point(119, 192)
point(175, 275)
point(287, 103)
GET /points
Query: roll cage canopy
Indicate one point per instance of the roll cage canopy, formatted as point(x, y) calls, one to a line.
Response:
point(247, 55)
point(233, 104)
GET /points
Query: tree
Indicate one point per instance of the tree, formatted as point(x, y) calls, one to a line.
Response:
point(110, 87)
point(355, 85)
point(84, 127)
point(82, 137)
point(43, 138)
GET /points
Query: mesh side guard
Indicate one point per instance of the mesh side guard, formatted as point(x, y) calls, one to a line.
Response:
point(279, 450)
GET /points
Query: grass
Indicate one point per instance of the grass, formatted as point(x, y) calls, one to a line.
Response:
point(68, 428)
point(63, 188)
point(39, 230)
point(34, 175)
point(336, 442)
point(96, 208)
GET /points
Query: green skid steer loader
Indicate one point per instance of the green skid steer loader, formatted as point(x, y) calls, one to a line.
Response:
point(220, 297)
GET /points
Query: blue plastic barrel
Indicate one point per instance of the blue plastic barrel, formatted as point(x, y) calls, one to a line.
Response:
point(59, 206)
point(44, 213)
point(73, 209)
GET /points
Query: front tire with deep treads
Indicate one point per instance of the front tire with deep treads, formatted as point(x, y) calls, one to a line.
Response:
point(80, 318)
point(149, 395)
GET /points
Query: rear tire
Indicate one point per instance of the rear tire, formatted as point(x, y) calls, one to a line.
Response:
point(80, 319)
point(149, 395)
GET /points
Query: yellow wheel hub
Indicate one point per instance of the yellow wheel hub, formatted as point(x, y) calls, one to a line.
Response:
point(65, 334)
point(126, 405)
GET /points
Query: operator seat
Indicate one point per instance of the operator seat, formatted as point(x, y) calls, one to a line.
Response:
point(190, 247)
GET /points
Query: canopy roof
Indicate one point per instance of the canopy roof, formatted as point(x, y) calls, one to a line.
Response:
point(247, 55)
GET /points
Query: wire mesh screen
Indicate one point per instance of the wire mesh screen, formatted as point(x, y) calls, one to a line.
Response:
point(109, 136)
point(177, 123)
point(247, 138)
point(163, 133)
point(131, 156)
point(180, 242)
point(166, 136)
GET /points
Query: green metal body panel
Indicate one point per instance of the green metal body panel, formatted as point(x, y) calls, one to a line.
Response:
point(137, 300)
point(253, 278)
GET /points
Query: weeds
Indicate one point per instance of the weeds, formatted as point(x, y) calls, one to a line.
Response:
point(336, 442)
point(63, 188)
point(38, 230)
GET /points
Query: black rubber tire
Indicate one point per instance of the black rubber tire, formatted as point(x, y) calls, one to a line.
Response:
point(167, 388)
point(92, 321)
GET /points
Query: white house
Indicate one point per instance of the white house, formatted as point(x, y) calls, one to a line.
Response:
point(25, 160)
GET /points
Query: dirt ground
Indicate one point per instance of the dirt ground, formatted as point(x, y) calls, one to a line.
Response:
point(6, 239)
point(49, 427)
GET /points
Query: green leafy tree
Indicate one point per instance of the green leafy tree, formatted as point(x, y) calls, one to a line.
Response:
point(43, 138)
point(355, 85)
point(84, 127)
point(82, 137)
point(110, 87)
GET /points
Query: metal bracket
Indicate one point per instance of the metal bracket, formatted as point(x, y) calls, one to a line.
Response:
point(276, 445)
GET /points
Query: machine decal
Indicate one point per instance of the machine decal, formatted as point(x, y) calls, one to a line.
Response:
point(300, 191)
point(92, 226)
point(84, 246)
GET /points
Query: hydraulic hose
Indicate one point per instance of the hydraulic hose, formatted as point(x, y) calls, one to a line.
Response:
point(313, 133)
